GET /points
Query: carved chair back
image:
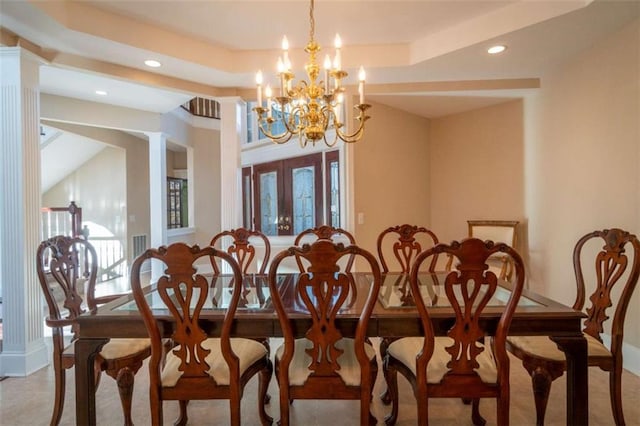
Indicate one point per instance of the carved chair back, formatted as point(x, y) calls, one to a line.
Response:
point(64, 283)
point(328, 233)
point(612, 266)
point(244, 250)
point(67, 269)
point(469, 289)
point(325, 290)
point(184, 292)
point(406, 245)
point(192, 365)
point(498, 231)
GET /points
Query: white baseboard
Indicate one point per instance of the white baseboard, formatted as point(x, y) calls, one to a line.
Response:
point(630, 355)
point(21, 363)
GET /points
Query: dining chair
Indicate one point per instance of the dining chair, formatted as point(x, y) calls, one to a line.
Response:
point(243, 247)
point(325, 232)
point(67, 267)
point(197, 367)
point(498, 231)
point(325, 363)
point(471, 361)
point(406, 246)
point(541, 357)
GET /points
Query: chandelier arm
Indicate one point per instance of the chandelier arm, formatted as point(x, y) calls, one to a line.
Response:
point(330, 144)
point(290, 125)
point(279, 139)
point(357, 134)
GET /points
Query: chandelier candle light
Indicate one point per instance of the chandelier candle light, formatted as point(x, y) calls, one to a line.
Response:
point(308, 108)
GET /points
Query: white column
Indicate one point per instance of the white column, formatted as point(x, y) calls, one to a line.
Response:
point(231, 137)
point(23, 347)
point(157, 195)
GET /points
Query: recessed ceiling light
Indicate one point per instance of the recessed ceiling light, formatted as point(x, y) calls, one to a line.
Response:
point(493, 50)
point(101, 93)
point(152, 63)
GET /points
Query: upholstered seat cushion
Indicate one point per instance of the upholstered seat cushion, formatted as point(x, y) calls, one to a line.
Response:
point(543, 347)
point(349, 367)
point(406, 349)
point(118, 348)
point(248, 351)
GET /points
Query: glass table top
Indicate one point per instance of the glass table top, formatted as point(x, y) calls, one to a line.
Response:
point(395, 292)
point(255, 294)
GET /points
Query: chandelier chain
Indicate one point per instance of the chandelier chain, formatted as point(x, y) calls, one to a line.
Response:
point(312, 21)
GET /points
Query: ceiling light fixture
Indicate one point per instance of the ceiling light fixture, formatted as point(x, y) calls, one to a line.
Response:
point(152, 63)
point(308, 108)
point(101, 93)
point(494, 50)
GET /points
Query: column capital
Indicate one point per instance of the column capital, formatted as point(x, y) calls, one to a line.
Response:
point(17, 51)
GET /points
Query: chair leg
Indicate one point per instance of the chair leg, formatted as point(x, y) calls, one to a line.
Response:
point(263, 397)
point(615, 394)
point(61, 379)
point(366, 418)
point(384, 397)
point(423, 409)
point(391, 377)
point(182, 417)
point(502, 416)
point(476, 418)
point(541, 381)
point(125, 379)
point(285, 400)
point(234, 408)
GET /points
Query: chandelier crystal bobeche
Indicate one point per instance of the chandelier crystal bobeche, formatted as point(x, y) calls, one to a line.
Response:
point(308, 108)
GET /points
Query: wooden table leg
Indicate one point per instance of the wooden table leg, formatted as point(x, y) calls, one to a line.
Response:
point(575, 349)
point(86, 351)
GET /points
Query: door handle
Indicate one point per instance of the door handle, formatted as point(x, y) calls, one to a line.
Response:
point(284, 223)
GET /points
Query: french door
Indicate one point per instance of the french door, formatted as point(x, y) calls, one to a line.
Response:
point(288, 196)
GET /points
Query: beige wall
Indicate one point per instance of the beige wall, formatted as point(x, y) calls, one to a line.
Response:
point(99, 187)
point(391, 174)
point(476, 168)
point(176, 160)
point(582, 151)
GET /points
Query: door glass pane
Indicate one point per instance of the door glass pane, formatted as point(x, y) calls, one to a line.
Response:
point(334, 194)
point(303, 199)
point(269, 203)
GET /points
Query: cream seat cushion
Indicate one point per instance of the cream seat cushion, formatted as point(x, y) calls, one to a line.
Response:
point(543, 347)
point(119, 348)
point(406, 349)
point(247, 350)
point(349, 367)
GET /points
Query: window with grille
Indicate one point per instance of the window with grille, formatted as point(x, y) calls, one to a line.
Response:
point(177, 203)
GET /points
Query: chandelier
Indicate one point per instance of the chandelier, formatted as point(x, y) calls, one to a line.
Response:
point(308, 108)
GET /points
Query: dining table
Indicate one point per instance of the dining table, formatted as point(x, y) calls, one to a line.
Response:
point(394, 316)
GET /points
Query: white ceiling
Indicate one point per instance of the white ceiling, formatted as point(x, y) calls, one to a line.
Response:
point(213, 48)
